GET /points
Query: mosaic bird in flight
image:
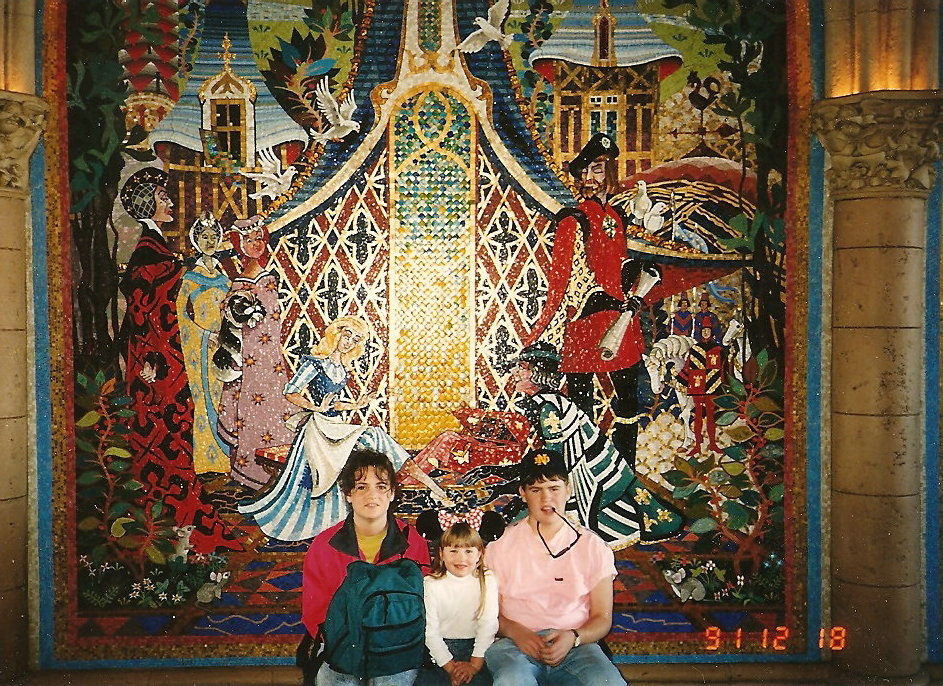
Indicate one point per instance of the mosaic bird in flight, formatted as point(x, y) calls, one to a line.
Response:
point(273, 180)
point(339, 116)
point(489, 29)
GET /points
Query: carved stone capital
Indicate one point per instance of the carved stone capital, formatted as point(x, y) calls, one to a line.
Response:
point(881, 143)
point(22, 122)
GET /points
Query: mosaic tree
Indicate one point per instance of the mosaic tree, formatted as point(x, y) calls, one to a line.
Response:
point(751, 38)
point(116, 48)
point(96, 92)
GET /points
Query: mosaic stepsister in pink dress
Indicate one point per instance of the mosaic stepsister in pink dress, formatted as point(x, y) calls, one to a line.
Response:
point(253, 408)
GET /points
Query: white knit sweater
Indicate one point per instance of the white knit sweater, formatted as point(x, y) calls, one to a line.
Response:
point(451, 604)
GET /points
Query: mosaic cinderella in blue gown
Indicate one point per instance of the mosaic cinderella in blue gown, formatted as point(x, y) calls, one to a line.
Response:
point(307, 499)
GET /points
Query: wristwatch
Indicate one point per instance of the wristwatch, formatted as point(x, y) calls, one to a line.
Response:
point(576, 643)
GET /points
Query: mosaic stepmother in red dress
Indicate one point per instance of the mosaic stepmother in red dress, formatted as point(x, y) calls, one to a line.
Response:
point(593, 281)
point(161, 431)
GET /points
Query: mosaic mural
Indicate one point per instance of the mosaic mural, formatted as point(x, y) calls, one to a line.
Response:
point(240, 180)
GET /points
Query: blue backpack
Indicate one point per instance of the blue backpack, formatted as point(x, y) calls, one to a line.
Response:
point(376, 621)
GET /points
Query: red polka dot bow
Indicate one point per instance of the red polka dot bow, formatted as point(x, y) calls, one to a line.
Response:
point(472, 518)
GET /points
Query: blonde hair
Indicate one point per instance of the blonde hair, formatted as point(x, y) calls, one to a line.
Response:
point(462, 535)
point(332, 334)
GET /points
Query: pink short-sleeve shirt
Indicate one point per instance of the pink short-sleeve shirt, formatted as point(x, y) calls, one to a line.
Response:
point(542, 592)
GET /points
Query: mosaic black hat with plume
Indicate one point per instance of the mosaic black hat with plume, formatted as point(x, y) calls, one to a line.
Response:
point(544, 361)
point(600, 145)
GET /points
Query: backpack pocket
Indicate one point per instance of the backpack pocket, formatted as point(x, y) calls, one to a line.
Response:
point(394, 622)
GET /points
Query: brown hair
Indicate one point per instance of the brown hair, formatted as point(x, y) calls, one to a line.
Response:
point(462, 535)
point(612, 175)
point(357, 465)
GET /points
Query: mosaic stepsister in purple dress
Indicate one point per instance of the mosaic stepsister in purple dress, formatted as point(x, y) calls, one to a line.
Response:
point(253, 409)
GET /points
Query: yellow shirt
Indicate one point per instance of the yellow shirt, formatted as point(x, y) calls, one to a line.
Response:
point(370, 545)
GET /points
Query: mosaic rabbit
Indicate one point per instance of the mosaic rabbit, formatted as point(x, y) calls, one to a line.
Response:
point(212, 588)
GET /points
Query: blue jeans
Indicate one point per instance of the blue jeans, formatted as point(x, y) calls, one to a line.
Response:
point(582, 666)
point(328, 677)
point(461, 649)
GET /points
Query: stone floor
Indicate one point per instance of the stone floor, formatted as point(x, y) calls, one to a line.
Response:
point(636, 675)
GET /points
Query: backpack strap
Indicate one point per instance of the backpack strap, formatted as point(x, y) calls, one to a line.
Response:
point(310, 655)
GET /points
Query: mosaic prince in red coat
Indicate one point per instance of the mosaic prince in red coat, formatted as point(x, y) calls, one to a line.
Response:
point(592, 276)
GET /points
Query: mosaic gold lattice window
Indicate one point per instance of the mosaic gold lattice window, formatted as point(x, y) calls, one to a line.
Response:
point(432, 248)
point(429, 13)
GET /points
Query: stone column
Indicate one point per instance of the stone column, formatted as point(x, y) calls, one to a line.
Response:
point(22, 118)
point(873, 45)
point(882, 147)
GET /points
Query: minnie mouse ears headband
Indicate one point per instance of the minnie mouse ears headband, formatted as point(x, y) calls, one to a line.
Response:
point(431, 524)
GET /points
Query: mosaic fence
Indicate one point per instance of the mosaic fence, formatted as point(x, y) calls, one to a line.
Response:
point(356, 161)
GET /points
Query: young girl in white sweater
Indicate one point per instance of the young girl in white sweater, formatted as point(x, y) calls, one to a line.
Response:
point(461, 610)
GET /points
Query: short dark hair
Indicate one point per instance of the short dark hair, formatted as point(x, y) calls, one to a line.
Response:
point(357, 465)
point(542, 465)
point(544, 361)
